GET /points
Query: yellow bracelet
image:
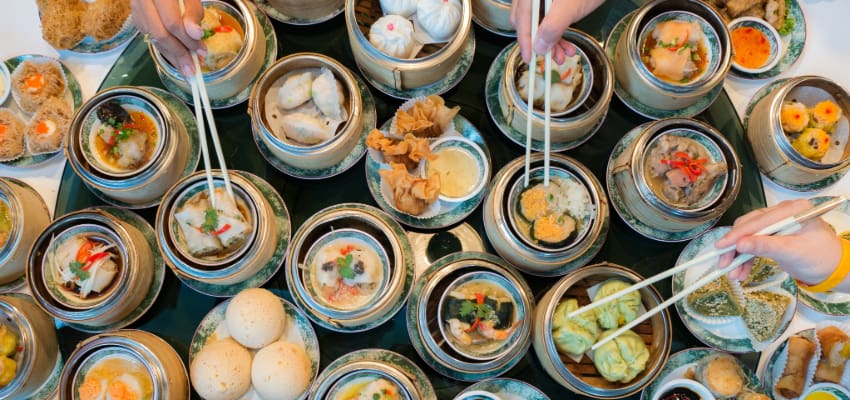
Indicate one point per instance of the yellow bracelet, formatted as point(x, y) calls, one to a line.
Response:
point(838, 274)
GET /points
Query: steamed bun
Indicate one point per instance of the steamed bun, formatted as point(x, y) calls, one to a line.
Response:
point(255, 318)
point(618, 312)
point(621, 359)
point(281, 371)
point(573, 335)
point(221, 370)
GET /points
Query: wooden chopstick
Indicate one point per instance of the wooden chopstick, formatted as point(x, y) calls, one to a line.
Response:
point(784, 227)
point(532, 71)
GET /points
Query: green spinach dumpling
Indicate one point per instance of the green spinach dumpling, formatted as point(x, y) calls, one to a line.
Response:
point(621, 359)
point(573, 335)
point(620, 311)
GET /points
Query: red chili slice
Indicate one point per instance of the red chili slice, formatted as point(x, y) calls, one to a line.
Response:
point(221, 230)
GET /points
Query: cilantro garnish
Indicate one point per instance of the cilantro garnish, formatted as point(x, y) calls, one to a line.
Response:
point(480, 311)
point(346, 270)
point(554, 77)
point(376, 396)
point(208, 33)
point(77, 269)
point(210, 221)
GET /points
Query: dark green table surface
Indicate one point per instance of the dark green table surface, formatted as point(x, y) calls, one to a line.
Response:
point(178, 310)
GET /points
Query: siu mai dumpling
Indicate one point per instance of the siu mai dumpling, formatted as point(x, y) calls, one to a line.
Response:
point(231, 228)
point(222, 48)
point(328, 96)
point(794, 116)
point(393, 36)
point(191, 218)
point(304, 128)
point(296, 90)
point(405, 8)
point(439, 18)
point(11, 135)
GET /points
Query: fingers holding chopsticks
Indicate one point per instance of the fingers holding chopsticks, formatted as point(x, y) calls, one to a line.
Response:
point(174, 34)
point(563, 14)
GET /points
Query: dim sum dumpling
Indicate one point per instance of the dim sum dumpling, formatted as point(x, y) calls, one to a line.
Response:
point(222, 48)
point(439, 18)
point(229, 215)
point(393, 35)
point(305, 128)
point(405, 8)
point(328, 96)
point(295, 90)
point(573, 335)
point(522, 87)
point(618, 312)
point(794, 116)
point(621, 359)
point(189, 218)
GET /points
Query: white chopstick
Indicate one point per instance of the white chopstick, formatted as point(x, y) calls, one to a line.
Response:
point(202, 135)
point(786, 226)
point(532, 71)
point(547, 111)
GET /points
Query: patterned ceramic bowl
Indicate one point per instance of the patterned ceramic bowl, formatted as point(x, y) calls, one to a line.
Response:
point(355, 373)
point(774, 42)
point(18, 203)
point(5, 82)
point(37, 340)
point(455, 188)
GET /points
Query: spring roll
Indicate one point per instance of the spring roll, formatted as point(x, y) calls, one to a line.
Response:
point(793, 378)
point(835, 348)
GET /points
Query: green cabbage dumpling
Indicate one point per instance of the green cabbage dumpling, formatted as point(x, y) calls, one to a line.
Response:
point(621, 359)
point(618, 312)
point(573, 335)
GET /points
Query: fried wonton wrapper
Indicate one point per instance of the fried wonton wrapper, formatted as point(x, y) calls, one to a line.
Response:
point(411, 194)
point(408, 151)
point(428, 118)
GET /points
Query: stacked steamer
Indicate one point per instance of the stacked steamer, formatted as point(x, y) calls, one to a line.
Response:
point(19, 203)
point(673, 179)
point(216, 241)
point(29, 352)
point(672, 54)
point(546, 230)
point(494, 15)
point(799, 131)
point(620, 367)
point(94, 270)
point(45, 106)
point(86, 26)
point(308, 111)
point(255, 345)
point(124, 364)
point(581, 90)
point(372, 374)
point(811, 364)
point(405, 45)
point(129, 144)
point(469, 316)
point(237, 48)
point(350, 267)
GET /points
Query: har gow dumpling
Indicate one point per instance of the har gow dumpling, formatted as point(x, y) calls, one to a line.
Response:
point(328, 96)
point(305, 128)
point(295, 90)
point(393, 35)
point(439, 18)
point(405, 8)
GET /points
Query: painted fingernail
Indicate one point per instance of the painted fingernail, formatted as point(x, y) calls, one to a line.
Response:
point(194, 31)
point(540, 46)
point(187, 71)
point(201, 52)
point(570, 50)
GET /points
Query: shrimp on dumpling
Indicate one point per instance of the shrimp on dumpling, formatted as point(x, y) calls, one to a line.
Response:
point(328, 96)
point(305, 128)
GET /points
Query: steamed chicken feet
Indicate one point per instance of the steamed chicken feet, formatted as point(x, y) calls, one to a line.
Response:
point(681, 170)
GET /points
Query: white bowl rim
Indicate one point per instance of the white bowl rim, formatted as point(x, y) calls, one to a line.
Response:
point(479, 154)
point(824, 385)
point(691, 384)
point(774, 58)
point(7, 76)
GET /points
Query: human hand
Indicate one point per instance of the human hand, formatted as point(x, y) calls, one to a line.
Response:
point(809, 255)
point(173, 34)
point(562, 14)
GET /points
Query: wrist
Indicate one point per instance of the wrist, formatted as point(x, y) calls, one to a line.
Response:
point(828, 278)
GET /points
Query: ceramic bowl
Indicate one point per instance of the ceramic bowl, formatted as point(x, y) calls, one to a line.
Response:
point(582, 377)
point(312, 157)
point(775, 156)
point(827, 391)
point(157, 360)
point(368, 364)
point(173, 155)
point(351, 223)
point(477, 395)
point(123, 295)
point(585, 113)
point(688, 384)
point(634, 76)
point(5, 82)
point(36, 337)
point(515, 246)
point(238, 74)
point(471, 151)
point(23, 204)
point(235, 265)
point(769, 32)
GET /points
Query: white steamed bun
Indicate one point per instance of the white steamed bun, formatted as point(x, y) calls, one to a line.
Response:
point(255, 318)
point(440, 18)
point(405, 8)
point(281, 371)
point(393, 35)
point(221, 370)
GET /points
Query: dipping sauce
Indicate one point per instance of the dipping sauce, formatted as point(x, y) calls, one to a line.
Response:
point(680, 393)
point(457, 169)
point(820, 395)
point(752, 48)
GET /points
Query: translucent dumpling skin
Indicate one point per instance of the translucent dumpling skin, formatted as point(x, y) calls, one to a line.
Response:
point(306, 129)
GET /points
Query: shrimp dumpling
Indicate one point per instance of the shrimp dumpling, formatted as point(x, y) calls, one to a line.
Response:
point(393, 36)
point(328, 96)
point(522, 87)
point(561, 97)
point(295, 90)
point(405, 8)
point(231, 228)
point(190, 217)
point(305, 128)
point(440, 18)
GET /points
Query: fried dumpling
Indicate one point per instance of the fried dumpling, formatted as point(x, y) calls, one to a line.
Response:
point(411, 194)
point(573, 335)
point(439, 18)
point(305, 128)
point(408, 151)
point(103, 19)
point(61, 22)
point(11, 135)
point(36, 81)
point(328, 96)
point(393, 36)
point(296, 90)
point(426, 118)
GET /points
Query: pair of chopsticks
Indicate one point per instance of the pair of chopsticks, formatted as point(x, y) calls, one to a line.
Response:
point(201, 100)
point(786, 226)
point(547, 87)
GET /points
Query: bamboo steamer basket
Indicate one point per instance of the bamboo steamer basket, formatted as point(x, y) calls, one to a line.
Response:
point(494, 15)
point(431, 64)
point(582, 377)
point(775, 156)
point(307, 9)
